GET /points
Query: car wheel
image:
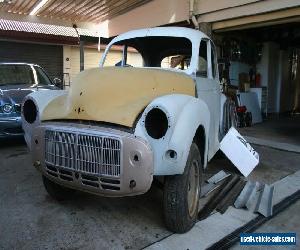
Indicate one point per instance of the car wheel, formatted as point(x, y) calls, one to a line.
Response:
point(57, 191)
point(181, 194)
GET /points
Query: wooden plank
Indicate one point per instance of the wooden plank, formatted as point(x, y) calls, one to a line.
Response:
point(84, 12)
point(103, 11)
point(15, 7)
point(97, 8)
point(121, 10)
point(83, 5)
point(257, 20)
point(24, 6)
point(29, 7)
point(50, 7)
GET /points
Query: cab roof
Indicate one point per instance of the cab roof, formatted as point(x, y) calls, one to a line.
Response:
point(189, 33)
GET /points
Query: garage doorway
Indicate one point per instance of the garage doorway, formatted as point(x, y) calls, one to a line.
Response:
point(50, 57)
point(266, 60)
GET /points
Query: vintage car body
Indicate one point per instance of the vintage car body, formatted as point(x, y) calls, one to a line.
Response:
point(118, 127)
point(12, 95)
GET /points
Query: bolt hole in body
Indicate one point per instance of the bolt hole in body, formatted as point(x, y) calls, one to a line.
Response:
point(136, 158)
point(171, 154)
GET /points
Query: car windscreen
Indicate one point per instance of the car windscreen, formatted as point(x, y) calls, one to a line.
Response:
point(151, 51)
point(42, 77)
point(15, 75)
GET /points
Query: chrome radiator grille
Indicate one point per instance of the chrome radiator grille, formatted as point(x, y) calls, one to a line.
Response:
point(82, 152)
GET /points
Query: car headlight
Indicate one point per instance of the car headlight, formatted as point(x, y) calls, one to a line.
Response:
point(7, 108)
point(29, 111)
point(156, 123)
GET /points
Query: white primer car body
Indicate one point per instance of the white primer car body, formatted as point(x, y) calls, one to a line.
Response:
point(118, 127)
point(186, 113)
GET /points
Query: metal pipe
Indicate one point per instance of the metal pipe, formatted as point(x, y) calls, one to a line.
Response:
point(81, 55)
point(195, 22)
point(192, 15)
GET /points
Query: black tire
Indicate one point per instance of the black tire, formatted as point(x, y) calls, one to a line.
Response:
point(177, 214)
point(57, 191)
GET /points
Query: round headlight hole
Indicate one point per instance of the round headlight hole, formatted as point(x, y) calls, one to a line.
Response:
point(156, 123)
point(29, 111)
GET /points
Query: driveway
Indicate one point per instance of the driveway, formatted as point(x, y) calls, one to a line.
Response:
point(30, 219)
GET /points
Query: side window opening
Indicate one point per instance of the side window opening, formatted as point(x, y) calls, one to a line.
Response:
point(213, 61)
point(181, 62)
point(202, 64)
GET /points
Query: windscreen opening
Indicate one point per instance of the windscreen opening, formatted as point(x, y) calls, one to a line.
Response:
point(152, 51)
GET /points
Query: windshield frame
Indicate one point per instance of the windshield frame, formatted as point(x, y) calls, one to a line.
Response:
point(192, 35)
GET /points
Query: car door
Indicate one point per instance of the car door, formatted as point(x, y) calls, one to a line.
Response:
point(208, 89)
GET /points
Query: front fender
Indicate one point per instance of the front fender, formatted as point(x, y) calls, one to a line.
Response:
point(41, 100)
point(185, 114)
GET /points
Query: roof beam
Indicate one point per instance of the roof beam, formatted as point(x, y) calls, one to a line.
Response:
point(36, 9)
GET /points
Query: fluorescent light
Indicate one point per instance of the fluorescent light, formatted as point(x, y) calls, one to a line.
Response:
point(38, 7)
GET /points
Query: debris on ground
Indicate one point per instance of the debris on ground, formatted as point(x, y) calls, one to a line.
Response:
point(234, 190)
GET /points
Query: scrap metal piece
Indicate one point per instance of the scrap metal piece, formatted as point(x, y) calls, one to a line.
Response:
point(207, 189)
point(221, 175)
point(213, 183)
point(214, 201)
point(244, 195)
point(230, 197)
point(239, 152)
point(265, 206)
point(254, 199)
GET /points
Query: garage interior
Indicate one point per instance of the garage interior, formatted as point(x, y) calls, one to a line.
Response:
point(265, 60)
point(262, 59)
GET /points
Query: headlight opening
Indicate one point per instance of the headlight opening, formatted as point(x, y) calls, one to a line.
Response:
point(29, 111)
point(156, 123)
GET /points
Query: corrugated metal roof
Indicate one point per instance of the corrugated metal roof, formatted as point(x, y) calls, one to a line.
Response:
point(79, 10)
point(48, 29)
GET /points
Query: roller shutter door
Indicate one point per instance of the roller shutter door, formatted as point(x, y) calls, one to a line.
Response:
point(50, 57)
point(92, 59)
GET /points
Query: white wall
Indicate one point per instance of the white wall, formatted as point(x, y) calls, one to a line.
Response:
point(273, 68)
point(235, 69)
point(262, 67)
point(273, 81)
point(154, 13)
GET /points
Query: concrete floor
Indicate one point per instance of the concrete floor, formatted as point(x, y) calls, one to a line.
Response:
point(282, 223)
point(284, 129)
point(30, 219)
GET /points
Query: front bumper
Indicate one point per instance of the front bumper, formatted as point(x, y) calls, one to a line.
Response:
point(76, 156)
point(10, 126)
